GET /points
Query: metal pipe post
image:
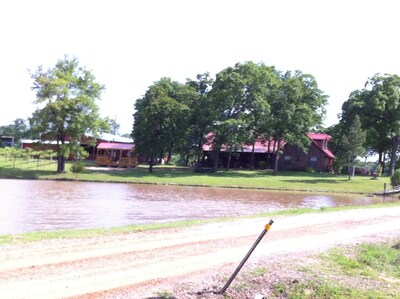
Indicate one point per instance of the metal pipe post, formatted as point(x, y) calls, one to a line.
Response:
point(239, 267)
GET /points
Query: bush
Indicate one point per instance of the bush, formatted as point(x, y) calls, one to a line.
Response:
point(77, 167)
point(378, 170)
point(395, 178)
point(310, 170)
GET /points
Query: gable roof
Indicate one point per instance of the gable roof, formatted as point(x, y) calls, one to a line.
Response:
point(270, 146)
point(114, 138)
point(261, 146)
point(321, 136)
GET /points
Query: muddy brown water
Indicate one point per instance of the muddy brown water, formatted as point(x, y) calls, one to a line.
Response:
point(32, 205)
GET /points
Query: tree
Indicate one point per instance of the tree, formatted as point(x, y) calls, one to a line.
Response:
point(112, 126)
point(18, 129)
point(352, 144)
point(67, 96)
point(201, 115)
point(240, 99)
point(378, 105)
point(395, 178)
point(160, 120)
point(299, 108)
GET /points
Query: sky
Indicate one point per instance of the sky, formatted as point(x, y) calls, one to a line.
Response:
point(128, 44)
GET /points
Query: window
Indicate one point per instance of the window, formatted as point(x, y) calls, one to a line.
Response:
point(313, 161)
point(287, 159)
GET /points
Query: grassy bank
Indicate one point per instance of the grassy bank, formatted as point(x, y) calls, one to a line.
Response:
point(363, 271)
point(297, 181)
point(88, 233)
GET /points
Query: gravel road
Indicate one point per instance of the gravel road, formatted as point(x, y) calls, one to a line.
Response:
point(139, 265)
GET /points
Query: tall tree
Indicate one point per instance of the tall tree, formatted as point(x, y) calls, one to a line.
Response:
point(67, 96)
point(112, 126)
point(352, 144)
point(240, 99)
point(160, 119)
point(378, 105)
point(201, 115)
point(299, 108)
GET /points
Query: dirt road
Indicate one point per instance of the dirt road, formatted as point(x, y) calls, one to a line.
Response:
point(142, 261)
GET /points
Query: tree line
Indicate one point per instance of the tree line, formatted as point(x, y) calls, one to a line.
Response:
point(240, 104)
point(370, 122)
point(243, 103)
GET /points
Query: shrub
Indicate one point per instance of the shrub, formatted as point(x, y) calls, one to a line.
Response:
point(395, 178)
point(310, 170)
point(379, 170)
point(77, 167)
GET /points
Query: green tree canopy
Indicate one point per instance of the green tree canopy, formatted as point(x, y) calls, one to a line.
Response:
point(378, 106)
point(160, 119)
point(298, 109)
point(244, 102)
point(18, 129)
point(352, 141)
point(201, 116)
point(67, 96)
point(240, 98)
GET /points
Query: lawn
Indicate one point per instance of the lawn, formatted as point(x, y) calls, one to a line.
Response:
point(298, 181)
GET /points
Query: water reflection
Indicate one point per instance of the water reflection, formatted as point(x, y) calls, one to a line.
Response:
point(52, 205)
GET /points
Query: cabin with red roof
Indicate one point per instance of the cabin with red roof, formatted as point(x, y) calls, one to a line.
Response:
point(116, 155)
point(318, 156)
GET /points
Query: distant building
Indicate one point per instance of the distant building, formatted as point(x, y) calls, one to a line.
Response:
point(116, 155)
point(107, 150)
point(6, 141)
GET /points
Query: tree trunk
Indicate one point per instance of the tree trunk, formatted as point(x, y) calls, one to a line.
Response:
point(351, 170)
point(200, 155)
point(276, 161)
point(269, 155)
point(187, 159)
point(169, 156)
point(393, 155)
point(60, 164)
point(252, 157)
point(228, 165)
point(60, 156)
point(151, 164)
point(215, 160)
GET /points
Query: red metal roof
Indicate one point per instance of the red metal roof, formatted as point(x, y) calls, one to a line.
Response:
point(261, 146)
point(319, 136)
point(269, 146)
point(116, 146)
point(328, 153)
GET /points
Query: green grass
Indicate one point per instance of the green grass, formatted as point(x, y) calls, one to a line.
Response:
point(374, 260)
point(295, 181)
point(364, 271)
point(320, 289)
point(87, 233)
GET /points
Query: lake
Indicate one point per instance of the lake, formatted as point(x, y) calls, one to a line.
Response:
point(34, 205)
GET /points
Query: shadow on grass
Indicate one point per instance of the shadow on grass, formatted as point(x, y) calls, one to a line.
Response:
point(315, 181)
point(11, 173)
